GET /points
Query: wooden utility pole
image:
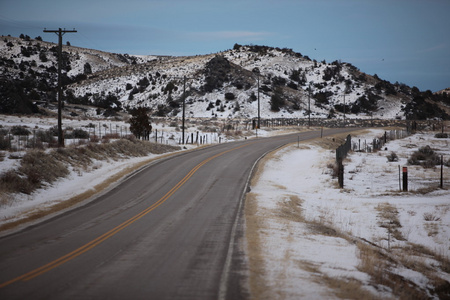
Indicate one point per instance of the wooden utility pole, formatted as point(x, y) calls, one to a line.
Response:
point(344, 109)
point(259, 107)
point(309, 106)
point(184, 107)
point(60, 32)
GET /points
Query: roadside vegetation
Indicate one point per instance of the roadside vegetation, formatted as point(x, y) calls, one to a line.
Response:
point(39, 168)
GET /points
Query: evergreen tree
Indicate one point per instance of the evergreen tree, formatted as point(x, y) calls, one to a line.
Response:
point(140, 123)
point(87, 68)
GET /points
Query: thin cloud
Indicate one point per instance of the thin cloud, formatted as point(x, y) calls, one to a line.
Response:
point(434, 48)
point(221, 35)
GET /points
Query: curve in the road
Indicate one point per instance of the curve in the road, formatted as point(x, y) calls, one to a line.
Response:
point(57, 262)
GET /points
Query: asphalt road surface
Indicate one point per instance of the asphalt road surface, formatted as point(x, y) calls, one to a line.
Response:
point(170, 231)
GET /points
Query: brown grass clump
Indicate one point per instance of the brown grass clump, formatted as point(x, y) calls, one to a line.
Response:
point(254, 223)
point(388, 218)
point(39, 168)
point(291, 209)
point(346, 288)
point(379, 265)
point(7, 197)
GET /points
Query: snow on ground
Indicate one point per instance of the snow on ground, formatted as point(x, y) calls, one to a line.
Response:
point(296, 254)
point(299, 255)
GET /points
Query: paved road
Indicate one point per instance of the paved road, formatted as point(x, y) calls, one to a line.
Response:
point(168, 232)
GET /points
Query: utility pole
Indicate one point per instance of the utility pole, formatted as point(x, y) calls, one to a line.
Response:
point(184, 106)
point(259, 107)
point(344, 109)
point(309, 106)
point(258, 124)
point(60, 32)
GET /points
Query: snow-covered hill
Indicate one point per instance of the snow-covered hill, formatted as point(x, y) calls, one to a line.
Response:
point(230, 89)
point(223, 85)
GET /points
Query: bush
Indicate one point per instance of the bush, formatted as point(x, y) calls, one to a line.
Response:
point(43, 56)
point(322, 98)
point(78, 134)
point(229, 96)
point(20, 130)
point(5, 143)
point(425, 157)
point(441, 135)
point(392, 157)
point(45, 136)
point(36, 168)
point(276, 101)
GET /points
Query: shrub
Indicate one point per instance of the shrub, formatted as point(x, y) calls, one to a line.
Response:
point(43, 56)
point(430, 217)
point(79, 134)
point(10, 181)
point(45, 136)
point(322, 98)
point(20, 130)
point(87, 69)
point(425, 157)
point(441, 135)
point(392, 157)
point(276, 101)
point(5, 143)
point(229, 96)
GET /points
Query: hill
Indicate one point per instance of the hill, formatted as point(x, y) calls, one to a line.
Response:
point(223, 85)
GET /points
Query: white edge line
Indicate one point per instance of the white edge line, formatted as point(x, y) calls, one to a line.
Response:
point(226, 268)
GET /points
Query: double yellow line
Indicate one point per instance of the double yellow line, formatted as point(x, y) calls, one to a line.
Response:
point(63, 259)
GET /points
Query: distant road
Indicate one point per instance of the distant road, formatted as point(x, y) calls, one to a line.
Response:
point(168, 232)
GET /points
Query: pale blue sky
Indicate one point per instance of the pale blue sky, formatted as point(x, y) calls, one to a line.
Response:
point(399, 40)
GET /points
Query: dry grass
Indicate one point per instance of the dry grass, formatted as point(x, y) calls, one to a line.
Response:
point(39, 168)
point(61, 206)
point(291, 209)
point(379, 265)
point(388, 218)
point(254, 222)
point(346, 288)
point(372, 262)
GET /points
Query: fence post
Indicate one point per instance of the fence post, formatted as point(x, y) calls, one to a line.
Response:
point(405, 179)
point(340, 173)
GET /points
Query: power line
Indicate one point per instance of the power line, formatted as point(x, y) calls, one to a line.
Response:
point(18, 24)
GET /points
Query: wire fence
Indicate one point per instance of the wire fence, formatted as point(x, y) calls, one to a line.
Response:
point(18, 138)
point(371, 145)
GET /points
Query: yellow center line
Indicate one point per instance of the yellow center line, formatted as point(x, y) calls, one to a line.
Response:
point(63, 259)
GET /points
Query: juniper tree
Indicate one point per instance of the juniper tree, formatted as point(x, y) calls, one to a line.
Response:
point(140, 123)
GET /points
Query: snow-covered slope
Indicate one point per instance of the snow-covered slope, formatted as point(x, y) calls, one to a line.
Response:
point(159, 85)
point(220, 85)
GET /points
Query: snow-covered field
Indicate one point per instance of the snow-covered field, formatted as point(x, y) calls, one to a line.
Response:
point(309, 228)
